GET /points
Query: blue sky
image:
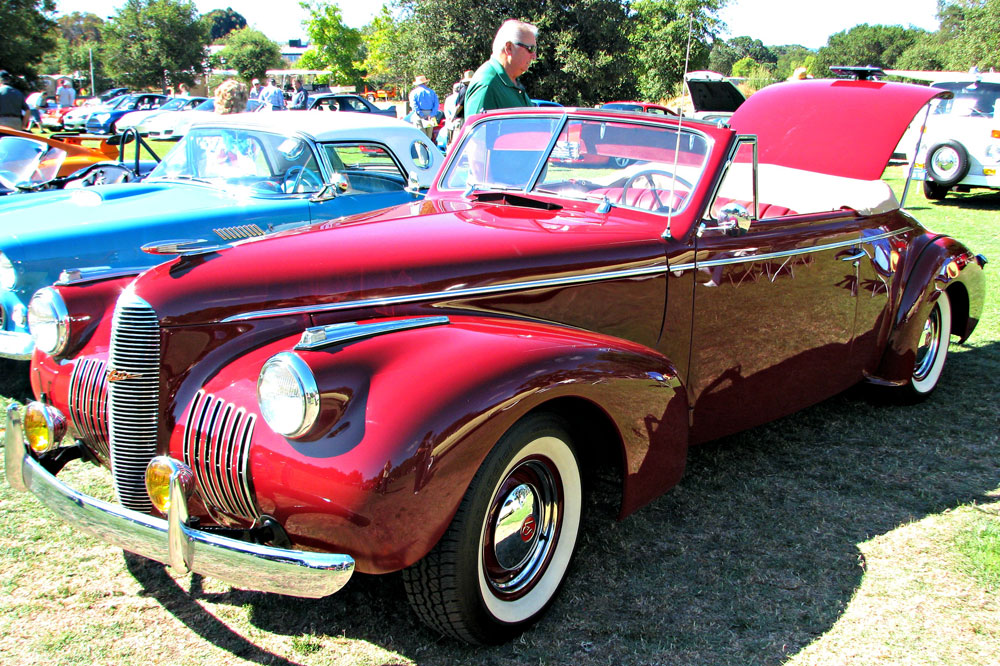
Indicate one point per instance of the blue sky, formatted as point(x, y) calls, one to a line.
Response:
point(774, 22)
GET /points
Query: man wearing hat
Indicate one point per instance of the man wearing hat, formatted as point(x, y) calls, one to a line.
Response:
point(454, 106)
point(12, 105)
point(255, 89)
point(424, 103)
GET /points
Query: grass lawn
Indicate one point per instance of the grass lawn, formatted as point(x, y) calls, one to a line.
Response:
point(849, 533)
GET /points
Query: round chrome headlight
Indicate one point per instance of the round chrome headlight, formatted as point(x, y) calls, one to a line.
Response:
point(8, 277)
point(287, 395)
point(48, 321)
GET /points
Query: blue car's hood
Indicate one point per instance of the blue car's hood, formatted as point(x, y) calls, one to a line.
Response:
point(46, 232)
point(83, 211)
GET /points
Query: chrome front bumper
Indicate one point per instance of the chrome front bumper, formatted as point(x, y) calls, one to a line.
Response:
point(16, 345)
point(246, 565)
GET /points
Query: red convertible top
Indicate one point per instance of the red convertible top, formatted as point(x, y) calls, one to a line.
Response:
point(837, 127)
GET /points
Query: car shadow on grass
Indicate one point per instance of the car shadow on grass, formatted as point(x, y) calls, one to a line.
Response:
point(750, 559)
point(974, 200)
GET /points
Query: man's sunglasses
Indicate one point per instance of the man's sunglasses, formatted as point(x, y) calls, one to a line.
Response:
point(530, 48)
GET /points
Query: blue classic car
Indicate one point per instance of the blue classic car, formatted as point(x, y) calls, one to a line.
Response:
point(231, 178)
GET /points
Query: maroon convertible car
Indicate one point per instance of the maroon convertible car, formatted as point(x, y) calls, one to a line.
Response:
point(428, 388)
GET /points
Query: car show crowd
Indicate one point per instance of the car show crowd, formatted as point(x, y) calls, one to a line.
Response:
point(494, 85)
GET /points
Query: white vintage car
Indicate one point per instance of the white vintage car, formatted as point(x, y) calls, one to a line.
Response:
point(960, 146)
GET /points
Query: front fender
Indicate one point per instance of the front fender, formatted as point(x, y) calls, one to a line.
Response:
point(408, 417)
point(943, 265)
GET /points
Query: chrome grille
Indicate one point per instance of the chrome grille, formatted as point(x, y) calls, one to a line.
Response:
point(242, 231)
point(133, 397)
point(88, 404)
point(217, 449)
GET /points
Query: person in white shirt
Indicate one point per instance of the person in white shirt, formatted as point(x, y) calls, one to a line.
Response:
point(65, 94)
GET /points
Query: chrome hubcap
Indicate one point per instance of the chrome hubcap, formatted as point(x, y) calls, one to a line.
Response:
point(522, 528)
point(927, 348)
point(945, 161)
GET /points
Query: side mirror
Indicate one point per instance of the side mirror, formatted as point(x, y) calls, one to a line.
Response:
point(735, 219)
point(338, 185)
point(412, 183)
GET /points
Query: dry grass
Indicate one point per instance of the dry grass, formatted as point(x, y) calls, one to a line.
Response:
point(828, 537)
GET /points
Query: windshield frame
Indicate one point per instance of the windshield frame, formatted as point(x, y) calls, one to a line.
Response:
point(531, 187)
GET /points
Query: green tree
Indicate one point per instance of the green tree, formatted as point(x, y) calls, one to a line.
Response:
point(80, 26)
point(388, 47)
point(26, 35)
point(661, 33)
point(78, 45)
point(791, 57)
point(725, 53)
point(249, 52)
point(745, 66)
point(333, 46)
point(221, 22)
point(152, 42)
point(875, 45)
point(583, 52)
point(971, 30)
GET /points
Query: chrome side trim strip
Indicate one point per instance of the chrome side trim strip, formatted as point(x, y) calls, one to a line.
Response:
point(728, 261)
point(334, 334)
point(647, 271)
point(240, 563)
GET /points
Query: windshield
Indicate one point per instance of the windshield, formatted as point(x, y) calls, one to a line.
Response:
point(972, 99)
point(648, 167)
point(26, 162)
point(228, 157)
point(174, 104)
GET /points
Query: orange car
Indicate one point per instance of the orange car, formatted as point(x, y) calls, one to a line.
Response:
point(78, 155)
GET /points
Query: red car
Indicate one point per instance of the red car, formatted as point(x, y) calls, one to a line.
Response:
point(639, 107)
point(427, 389)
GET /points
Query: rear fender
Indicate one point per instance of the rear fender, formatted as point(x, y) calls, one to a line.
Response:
point(943, 265)
point(408, 417)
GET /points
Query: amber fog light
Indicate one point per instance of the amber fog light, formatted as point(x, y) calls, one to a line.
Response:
point(44, 427)
point(160, 472)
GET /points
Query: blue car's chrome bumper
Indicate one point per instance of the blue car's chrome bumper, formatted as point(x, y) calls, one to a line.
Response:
point(246, 565)
point(16, 345)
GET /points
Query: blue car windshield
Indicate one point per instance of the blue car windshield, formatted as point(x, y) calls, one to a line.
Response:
point(264, 162)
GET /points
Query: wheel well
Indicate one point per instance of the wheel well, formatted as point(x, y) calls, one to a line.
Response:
point(958, 297)
point(595, 438)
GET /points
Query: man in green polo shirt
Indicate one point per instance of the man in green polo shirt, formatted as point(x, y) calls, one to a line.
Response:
point(494, 85)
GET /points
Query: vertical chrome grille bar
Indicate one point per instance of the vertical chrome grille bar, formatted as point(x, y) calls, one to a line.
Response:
point(88, 404)
point(217, 439)
point(133, 397)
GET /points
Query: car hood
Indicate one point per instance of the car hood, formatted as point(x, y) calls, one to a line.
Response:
point(713, 93)
point(837, 127)
point(449, 247)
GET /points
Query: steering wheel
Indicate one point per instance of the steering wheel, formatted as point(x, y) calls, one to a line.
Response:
point(102, 173)
point(298, 175)
point(648, 173)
